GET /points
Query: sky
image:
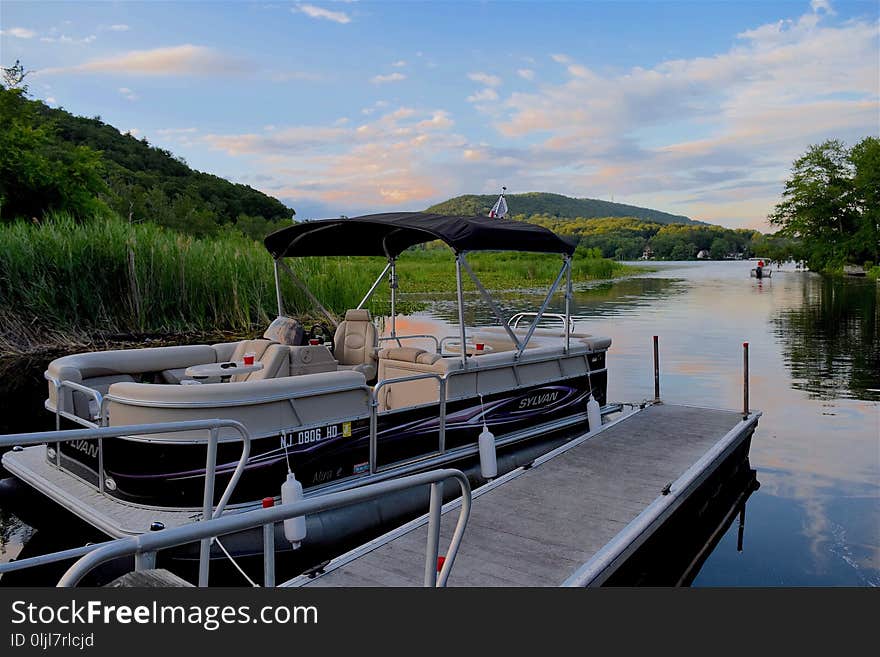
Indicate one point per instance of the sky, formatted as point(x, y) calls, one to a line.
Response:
point(694, 108)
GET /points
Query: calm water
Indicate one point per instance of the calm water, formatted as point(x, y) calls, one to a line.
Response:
point(815, 357)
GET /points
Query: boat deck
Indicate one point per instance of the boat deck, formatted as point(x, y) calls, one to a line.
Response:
point(114, 517)
point(573, 516)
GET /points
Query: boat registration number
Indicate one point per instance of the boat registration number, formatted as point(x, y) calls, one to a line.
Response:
point(316, 435)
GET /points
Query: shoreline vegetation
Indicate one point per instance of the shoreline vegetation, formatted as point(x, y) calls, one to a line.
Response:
point(66, 283)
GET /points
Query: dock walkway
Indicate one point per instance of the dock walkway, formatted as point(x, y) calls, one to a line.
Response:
point(570, 518)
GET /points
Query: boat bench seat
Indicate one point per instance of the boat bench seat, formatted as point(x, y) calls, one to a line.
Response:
point(485, 374)
point(98, 370)
point(263, 406)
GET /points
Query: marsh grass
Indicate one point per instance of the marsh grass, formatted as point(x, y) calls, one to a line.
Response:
point(64, 282)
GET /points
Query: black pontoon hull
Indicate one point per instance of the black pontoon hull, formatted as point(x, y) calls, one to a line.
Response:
point(171, 474)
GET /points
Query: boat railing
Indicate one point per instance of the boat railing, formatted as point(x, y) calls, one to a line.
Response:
point(374, 414)
point(453, 340)
point(59, 385)
point(415, 336)
point(99, 434)
point(514, 321)
point(145, 546)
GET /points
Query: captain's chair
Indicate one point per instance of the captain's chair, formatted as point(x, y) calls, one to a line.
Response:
point(355, 343)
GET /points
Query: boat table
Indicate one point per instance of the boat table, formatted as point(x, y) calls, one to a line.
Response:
point(225, 370)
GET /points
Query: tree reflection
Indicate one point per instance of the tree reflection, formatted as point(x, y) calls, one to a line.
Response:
point(831, 341)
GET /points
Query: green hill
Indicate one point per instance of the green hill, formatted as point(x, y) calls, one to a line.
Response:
point(555, 205)
point(51, 160)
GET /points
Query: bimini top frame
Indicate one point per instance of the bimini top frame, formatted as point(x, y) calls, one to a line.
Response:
point(390, 234)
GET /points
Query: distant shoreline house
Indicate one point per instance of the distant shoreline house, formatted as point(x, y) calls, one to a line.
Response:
point(703, 255)
point(648, 253)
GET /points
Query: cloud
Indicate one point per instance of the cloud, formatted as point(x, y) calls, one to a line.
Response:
point(399, 63)
point(119, 27)
point(484, 95)
point(821, 5)
point(127, 93)
point(317, 12)
point(177, 60)
point(391, 77)
point(701, 126)
point(486, 79)
point(64, 38)
point(392, 160)
point(526, 73)
point(51, 100)
point(19, 32)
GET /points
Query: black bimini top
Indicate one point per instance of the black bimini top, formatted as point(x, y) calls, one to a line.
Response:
point(391, 233)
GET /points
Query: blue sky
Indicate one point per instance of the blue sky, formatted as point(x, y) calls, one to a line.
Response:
point(346, 107)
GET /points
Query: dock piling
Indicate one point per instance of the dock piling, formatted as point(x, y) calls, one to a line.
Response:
point(656, 368)
point(745, 380)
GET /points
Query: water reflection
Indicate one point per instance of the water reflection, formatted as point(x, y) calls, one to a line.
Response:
point(831, 341)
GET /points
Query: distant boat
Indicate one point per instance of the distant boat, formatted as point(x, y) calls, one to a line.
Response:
point(854, 270)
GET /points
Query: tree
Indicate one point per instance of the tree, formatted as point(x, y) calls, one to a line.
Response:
point(719, 249)
point(865, 157)
point(37, 171)
point(817, 204)
point(832, 203)
point(13, 77)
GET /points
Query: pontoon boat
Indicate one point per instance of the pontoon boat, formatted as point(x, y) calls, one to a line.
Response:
point(339, 415)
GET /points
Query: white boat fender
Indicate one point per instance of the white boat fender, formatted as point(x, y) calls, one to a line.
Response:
point(488, 459)
point(594, 413)
point(294, 528)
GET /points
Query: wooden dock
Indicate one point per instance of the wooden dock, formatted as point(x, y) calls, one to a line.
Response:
point(572, 517)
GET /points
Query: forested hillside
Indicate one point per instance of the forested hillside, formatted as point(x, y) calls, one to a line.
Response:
point(51, 160)
point(554, 206)
point(628, 238)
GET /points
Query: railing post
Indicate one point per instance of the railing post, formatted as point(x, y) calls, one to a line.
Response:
point(207, 506)
point(656, 368)
point(745, 380)
point(58, 394)
point(374, 431)
point(460, 294)
point(268, 547)
point(442, 393)
point(278, 299)
point(568, 294)
point(144, 561)
point(433, 548)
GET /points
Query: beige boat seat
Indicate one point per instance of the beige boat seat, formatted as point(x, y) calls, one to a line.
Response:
point(276, 362)
point(98, 370)
point(262, 406)
point(355, 343)
point(399, 362)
